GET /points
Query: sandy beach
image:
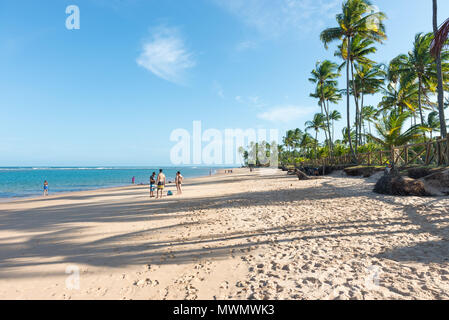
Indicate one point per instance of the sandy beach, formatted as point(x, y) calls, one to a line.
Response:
point(260, 235)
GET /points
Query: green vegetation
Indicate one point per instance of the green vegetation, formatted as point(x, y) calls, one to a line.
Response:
point(408, 85)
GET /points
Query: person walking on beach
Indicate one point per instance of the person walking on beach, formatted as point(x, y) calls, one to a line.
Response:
point(152, 184)
point(160, 181)
point(178, 182)
point(45, 188)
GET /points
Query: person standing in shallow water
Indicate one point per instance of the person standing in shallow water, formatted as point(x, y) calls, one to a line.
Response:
point(45, 188)
point(134, 180)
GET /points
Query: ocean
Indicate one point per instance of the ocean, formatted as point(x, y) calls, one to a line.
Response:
point(17, 182)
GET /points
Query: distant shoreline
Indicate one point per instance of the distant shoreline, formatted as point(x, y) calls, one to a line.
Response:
point(6, 199)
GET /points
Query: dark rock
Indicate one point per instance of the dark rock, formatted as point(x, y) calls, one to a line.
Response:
point(301, 175)
point(418, 173)
point(361, 171)
point(397, 185)
point(437, 183)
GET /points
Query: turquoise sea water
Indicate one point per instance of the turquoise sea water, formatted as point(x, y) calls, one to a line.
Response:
point(28, 182)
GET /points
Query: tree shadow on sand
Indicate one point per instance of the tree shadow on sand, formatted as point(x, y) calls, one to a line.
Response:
point(52, 232)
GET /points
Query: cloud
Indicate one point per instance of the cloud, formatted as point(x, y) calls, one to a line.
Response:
point(275, 17)
point(165, 55)
point(286, 114)
point(246, 45)
point(252, 101)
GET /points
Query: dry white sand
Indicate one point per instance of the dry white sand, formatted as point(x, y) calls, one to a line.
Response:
point(263, 235)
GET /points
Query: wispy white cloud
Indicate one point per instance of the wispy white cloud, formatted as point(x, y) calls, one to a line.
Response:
point(246, 45)
point(274, 17)
point(166, 55)
point(252, 101)
point(286, 114)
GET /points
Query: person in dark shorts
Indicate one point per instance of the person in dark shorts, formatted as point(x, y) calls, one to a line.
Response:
point(152, 184)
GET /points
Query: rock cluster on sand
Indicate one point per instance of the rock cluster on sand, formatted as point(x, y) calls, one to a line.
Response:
point(400, 186)
point(362, 171)
point(436, 184)
point(301, 175)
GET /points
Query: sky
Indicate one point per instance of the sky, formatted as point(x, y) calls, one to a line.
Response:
point(113, 91)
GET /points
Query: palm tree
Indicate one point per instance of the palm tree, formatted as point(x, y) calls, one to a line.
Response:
point(334, 116)
point(418, 65)
point(347, 135)
point(370, 79)
point(306, 142)
point(324, 76)
point(369, 115)
point(331, 95)
point(357, 55)
point(440, 38)
point(400, 97)
point(317, 124)
point(288, 139)
point(432, 124)
point(390, 129)
point(297, 134)
point(241, 152)
point(355, 20)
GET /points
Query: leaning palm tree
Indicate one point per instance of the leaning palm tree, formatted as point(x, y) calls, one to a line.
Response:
point(317, 124)
point(440, 39)
point(390, 130)
point(356, 19)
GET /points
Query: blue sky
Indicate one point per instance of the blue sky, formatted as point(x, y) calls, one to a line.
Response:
point(111, 92)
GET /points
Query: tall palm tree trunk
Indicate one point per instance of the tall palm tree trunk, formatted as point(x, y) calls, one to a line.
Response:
point(329, 129)
point(361, 125)
point(419, 100)
point(348, 103)
point(357, 112)
point(323, 105)
point(439, 74)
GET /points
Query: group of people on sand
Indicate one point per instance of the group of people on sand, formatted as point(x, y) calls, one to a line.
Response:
point(158, 183)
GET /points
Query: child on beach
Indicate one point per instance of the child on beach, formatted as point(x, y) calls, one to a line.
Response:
point(152, 183)
point(160, 183)
point(45, 188)
point(178, 182)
